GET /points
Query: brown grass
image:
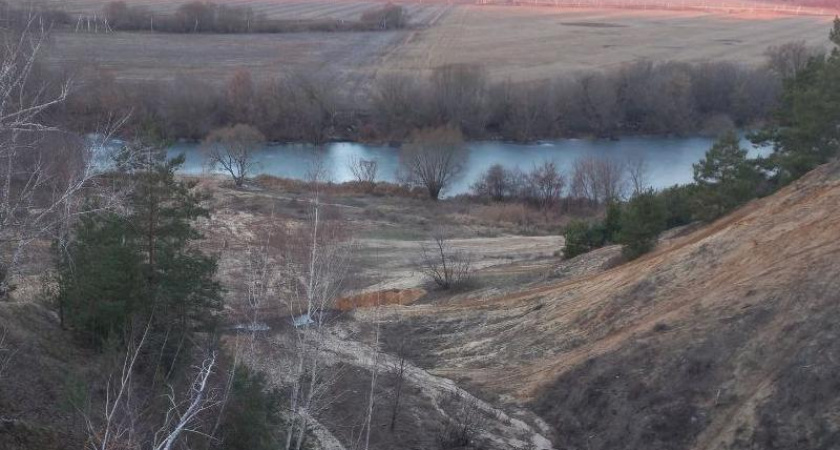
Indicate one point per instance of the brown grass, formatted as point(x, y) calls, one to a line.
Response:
point(380, 298)
point(533, 43)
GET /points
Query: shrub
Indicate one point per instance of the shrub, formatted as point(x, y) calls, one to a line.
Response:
point(642, 220)
point(252, 418)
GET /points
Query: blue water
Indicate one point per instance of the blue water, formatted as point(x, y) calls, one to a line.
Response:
point(669, 160)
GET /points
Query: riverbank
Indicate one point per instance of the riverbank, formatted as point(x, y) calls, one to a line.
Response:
point(669, 160)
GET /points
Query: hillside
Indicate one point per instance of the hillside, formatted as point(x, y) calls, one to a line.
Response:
point(724, 338)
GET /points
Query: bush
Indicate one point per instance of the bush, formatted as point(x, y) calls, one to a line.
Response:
point(100, 279)
point(725, 178)
point(642, 220)
point(252, 418)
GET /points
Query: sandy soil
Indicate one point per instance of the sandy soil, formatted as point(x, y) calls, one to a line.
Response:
point(735, 304)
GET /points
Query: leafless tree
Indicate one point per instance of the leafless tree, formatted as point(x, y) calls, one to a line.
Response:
point(466, 421)
point(637, 173)
point(789, 59)
point(498, 183)
point(598, 96)
point(364, 171)
point(42, 171)
point(117, 428)
point(459, 97)
point(399, 367)
point(316, 263)
point(434, 158)
point(442, 263)
point(544, 184)
point(183, 413)
point(598, 179)
point(232, 149)
point(399, 104)
point(7, 352)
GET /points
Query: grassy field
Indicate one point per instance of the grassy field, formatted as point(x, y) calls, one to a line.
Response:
point(515, 43)
point(344, 59)
point(422, 13)
point(523, 44)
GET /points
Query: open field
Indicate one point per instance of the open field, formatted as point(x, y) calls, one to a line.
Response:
point(514, 43)
point(420, 13)
point(345, 60)
point(532, 43)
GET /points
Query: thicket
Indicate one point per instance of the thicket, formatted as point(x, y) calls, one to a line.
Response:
point(803, 133)
point(639, 98)
point(122, 273)
point(253, 416)
point(210, 17)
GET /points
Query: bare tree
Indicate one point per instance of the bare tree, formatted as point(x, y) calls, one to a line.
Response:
point(544, 184)
point(497, 183)
point(466, 421)
point(316, 265)
point(364, 171)
point(789, 59)
point(445, 265)
point(637, 173)
point(42, 171)
point(232, 149)
point(459, 97)
point(598, 179)
point(7, 352)
point(118, 429)
point(399, 103)
point(398, 369)
point(434, 158)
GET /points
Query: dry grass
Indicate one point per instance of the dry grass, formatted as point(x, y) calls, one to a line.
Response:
point(513, 43)
point(421, 13)
point(524, 44)
point(704, 324)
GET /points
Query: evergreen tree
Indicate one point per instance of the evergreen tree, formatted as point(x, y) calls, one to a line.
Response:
point(180, 290)
point(100, 279)
point(252, 417)
point(577, 237)
point(806, 131)
point(143, 267)
point(642, 219)
point(726, 178)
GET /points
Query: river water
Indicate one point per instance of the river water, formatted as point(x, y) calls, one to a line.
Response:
point(669, 160)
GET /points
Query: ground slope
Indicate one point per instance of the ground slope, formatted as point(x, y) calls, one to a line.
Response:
point(726, 338)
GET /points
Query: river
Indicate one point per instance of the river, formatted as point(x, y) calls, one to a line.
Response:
point(669, 160)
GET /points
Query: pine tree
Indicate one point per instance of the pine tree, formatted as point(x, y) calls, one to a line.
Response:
point(642, 219)
point(143, 267)
point(726, 178)
point(180, 290)
point(806, 131)
point(100, 279)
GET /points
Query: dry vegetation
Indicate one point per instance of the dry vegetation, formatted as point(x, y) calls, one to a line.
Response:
point(520, 44)
point(530, 43)
point(698, 345)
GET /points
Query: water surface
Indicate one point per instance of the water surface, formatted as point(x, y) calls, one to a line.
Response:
point(669, 160)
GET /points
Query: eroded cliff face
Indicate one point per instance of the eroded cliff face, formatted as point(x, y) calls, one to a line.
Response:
point(725, 338)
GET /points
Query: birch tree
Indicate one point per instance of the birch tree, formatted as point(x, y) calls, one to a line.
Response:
point(316, 263)
point(43, 171)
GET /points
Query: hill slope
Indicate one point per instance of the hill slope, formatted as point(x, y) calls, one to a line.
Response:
point(728, 337)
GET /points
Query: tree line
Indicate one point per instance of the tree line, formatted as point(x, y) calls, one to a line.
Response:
point(210, 17)
point(195, 17)
point(638, 98)
point(803, 133)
